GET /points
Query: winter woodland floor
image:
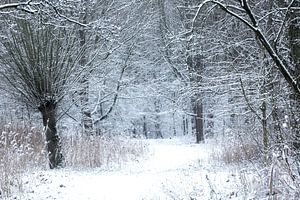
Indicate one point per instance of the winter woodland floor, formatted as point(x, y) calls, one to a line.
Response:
point(173, 169)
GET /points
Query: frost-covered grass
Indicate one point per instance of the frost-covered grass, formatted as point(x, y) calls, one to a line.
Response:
point(22, 151)
point(276, 178)
point(236, 152)
point(81, 151)
point(174, 169)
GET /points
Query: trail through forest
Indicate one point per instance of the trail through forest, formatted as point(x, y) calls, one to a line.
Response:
point(173, 169)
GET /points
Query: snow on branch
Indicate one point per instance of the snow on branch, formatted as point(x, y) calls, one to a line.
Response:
point(14, 5)
point(28, 5)
point(253, 25)
point(56, 10)
point(18, 6)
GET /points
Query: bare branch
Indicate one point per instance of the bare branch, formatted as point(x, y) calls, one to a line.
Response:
point(247, 100)
point(283, 24)
point(14, 5)
point(117, 89)
point(261, 37)
point(56, 10)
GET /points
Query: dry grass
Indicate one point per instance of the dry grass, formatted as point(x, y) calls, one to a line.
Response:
point(277, 179)
point(21, 148)
point(235, 153)
point(240, 153)
point(82, 151)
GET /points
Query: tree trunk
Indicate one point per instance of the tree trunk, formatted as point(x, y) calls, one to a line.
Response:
point(184, 125)
point(158, 133)
point(174, 124)
point(145, 131)
point(294, 34)
point(198, 110)
point(187, 125)
point(294, 37)
point(48, 111)
point(87, 122)
point(210, 125)
point(263, 109)
point(185, 122)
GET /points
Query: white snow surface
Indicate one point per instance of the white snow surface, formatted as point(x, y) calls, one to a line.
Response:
point(174, 169)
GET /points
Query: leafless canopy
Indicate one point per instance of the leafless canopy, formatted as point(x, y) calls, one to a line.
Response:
point(38, 62)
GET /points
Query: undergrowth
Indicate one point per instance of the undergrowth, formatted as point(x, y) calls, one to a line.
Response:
point(276, 178)
point(237, 153)
point(22, 149)
point(81, 151)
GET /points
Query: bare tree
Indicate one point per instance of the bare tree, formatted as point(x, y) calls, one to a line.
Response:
point(38, 64)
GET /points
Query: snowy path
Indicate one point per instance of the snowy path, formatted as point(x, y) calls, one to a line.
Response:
point(173, 170)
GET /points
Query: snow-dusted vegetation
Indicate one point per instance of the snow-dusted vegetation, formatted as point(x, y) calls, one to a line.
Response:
point(23, 151)
point(172, 169)
point(149, 99)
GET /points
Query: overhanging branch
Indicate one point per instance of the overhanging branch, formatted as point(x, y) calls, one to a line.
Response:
point(14, 5)
point(259, 34)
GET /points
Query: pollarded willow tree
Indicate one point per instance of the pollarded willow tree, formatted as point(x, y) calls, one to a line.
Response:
point(38, 64)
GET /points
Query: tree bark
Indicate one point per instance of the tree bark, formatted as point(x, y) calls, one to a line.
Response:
point(48, 111)
point(294, 34)
point(294, 37)
point(158, 133)
point(184, 125)
point(174, 124)
point(87, 122)
point(198, 110)
point(263, 109)
point(145, 131)
point(196, 66)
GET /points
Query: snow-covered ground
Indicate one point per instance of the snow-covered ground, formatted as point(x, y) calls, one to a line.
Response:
point(174, 169)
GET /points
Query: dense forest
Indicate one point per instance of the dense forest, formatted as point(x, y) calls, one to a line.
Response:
point(227, 71)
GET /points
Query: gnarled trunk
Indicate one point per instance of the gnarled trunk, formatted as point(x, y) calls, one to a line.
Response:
point(48, 111)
